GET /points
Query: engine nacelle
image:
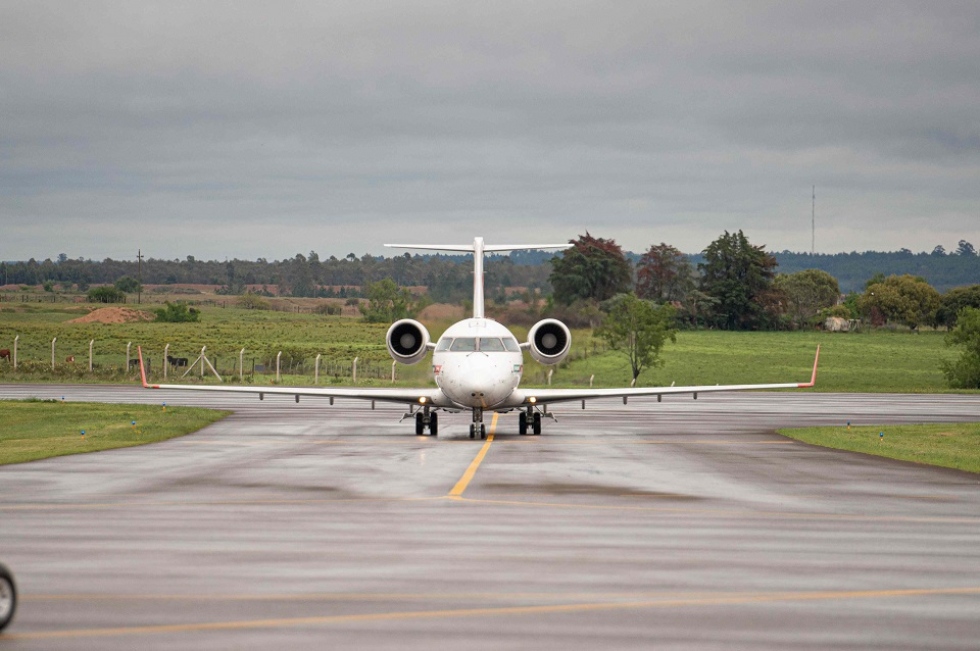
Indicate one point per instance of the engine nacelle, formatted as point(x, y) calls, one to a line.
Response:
point(549, 341)
point(408, 341)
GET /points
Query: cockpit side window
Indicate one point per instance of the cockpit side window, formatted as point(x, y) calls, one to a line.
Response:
point(511, 345)
point(491, 345)
point(444, 344)
point(463, 345)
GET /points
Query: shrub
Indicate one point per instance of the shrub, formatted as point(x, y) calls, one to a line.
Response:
point(106, 295)
point(177, 313)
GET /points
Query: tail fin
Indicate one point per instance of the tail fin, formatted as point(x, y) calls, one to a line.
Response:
point(479, 249)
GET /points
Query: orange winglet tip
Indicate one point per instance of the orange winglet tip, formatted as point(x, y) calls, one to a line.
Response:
point(139, 353)
point(813, 378)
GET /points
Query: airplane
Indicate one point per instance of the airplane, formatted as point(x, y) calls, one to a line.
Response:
point(477, 365)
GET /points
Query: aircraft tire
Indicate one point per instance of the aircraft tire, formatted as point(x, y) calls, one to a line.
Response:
point(434, 424)
point(536, 425)
point(8, 597)
point(472, 431)
point(522, 424)
point(483, 431)
point(419, 425)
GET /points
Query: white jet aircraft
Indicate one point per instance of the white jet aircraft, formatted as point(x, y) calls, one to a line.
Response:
point(477, 364)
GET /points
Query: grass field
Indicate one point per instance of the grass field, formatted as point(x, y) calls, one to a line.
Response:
point(40, 429)
point(878, 361)
point(947, 445)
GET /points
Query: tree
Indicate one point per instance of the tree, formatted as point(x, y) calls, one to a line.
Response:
point(965, 248)
point(907, 299)
point(637, 328)
point(739, 275)
point(387, 302)
point(807, 292)
point(593, 268)
point(953, 302)
point(128, 284)
point(964, 373)
point(664, 274)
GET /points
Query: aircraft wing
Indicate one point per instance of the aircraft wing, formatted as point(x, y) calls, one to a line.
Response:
point(407, 396)
point(549, 396)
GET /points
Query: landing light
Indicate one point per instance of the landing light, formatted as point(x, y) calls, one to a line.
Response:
point(422, 400)
point(532, 400)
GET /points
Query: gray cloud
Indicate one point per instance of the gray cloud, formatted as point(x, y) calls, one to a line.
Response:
point(247, 129)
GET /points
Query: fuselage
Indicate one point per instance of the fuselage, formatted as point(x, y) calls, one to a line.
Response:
point(477, 363)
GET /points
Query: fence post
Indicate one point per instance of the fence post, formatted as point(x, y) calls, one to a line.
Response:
point(15, 351)
point(393, 364)
point(316, 369)
point(591, 380)
point(90, 344)
point(166, 362)
point(203, 348)
point(278, 356)
point(241, 365)
point(52, 352)
point(354, 369)
point(127, 355)
point(551, 372)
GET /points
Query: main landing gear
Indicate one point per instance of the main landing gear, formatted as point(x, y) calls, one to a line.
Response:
point(532, 418)
point(424, 419)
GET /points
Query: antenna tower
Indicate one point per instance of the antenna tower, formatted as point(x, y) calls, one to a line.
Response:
point(813, 222)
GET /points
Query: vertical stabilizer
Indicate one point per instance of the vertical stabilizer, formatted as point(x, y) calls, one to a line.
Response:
point(479, 249)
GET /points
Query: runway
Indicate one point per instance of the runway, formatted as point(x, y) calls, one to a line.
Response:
point(677, 525)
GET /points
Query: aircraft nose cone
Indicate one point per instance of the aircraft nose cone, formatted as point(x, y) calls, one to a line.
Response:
point(475, 381)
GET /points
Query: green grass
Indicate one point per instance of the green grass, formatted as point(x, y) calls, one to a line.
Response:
point(877, 361)
point(946, 445)
point(870, 362)
point(35, 429)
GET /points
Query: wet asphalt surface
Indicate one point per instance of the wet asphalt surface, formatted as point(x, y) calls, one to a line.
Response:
point(676, 525)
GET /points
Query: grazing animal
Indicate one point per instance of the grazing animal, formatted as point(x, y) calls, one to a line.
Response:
point(5, 354)
point(70, 359)
point(134, 362)
point(176, 361)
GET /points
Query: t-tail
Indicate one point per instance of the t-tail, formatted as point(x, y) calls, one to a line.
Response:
point(479, 248)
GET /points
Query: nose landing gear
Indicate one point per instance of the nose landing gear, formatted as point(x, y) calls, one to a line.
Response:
point(477, 425)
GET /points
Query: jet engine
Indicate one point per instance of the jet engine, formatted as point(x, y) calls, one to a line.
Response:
point(408, 341)
point(549, 341)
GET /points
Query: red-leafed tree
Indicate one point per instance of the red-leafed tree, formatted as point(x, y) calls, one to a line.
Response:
point(664, 274)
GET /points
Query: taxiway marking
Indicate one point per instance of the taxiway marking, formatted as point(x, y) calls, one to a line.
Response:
point(464, 481)
point(667, 602)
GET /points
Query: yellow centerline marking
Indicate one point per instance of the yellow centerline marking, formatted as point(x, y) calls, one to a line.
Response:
point(464, 481)
point(667, 602)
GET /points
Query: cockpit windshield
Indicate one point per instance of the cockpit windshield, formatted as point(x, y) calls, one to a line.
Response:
point(491, 345)
point(481, 344)
point(463, 345)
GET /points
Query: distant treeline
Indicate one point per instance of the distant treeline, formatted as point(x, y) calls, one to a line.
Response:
point(450, 277)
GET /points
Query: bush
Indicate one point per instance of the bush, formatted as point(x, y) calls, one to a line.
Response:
point(177, 313)
point(106, 295)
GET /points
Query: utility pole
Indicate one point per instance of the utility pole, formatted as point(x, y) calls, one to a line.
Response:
point(139, 266)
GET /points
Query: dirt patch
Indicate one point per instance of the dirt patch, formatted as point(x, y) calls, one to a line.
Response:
point(114, 315)
point(441, 312)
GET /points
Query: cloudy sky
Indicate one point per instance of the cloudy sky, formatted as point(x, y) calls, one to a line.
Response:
point(255, 129)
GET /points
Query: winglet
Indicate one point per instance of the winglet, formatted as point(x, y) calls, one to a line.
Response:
point(139, 352)
point(813, 378)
